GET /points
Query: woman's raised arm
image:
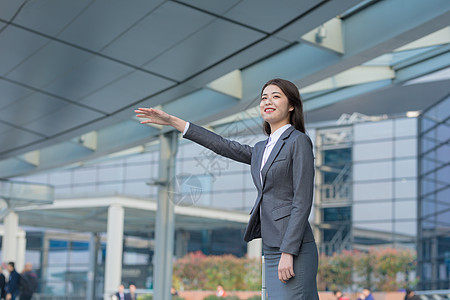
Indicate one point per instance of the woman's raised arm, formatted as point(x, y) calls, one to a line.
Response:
point(157, 116)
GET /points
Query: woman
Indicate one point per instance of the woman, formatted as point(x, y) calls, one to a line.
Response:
point(282, 168)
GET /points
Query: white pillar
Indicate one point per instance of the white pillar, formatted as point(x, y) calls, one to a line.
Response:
point(254, 249)
point(9, 243)
point(114, 243)
point(21, 248)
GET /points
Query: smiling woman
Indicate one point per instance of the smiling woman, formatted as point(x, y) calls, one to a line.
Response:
point(285, 194)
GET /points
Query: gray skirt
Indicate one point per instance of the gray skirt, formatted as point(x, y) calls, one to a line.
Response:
point(303, 285)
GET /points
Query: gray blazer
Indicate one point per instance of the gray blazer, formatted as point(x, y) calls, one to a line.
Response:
point(280, 214)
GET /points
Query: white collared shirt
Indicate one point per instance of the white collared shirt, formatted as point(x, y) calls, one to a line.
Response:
point(273, 139)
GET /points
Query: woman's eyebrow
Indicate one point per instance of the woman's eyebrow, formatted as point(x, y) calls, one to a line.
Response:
point(272, 93)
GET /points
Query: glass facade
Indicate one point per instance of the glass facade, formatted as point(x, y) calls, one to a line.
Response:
point(434, 197)
point(384, 182)
point(366, 185)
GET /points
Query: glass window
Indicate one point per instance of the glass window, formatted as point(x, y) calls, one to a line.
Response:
point(34, 257)
point(85, 175)
point(443, 174)
point(110, 187)
point(372, 170)
point(405, 210)
point(443, 133)
point(405, 188)
point(442, 109)
point(405, 168)
point(373, 130)
point(228, 200)
point(427, 123)
point(110, 174)
point(428, 207)
point(405, 127)
point(443, 218)
point(372, 211)
point(407, 228)
point(372, 191)
point(405, 147)
point(379, 226)
point(138, 188)
point(443, 154)
point(60, 178)
point(228, 182)
point(372, 151)
point(139, 171)
point(427, 144)
point(444, 195)
point(84, 189)
point(62, 191)
point(337, 214)
point(428, 165)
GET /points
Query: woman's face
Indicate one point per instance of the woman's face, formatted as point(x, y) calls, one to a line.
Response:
point(274, 107)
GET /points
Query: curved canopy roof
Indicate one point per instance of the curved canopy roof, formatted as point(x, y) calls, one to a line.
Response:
point(72, 72)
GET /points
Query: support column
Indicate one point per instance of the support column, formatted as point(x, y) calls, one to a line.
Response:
point(181, 241)
point(165, 218)
point(9, 244)
point(44, 261)
point(21, 248)
point(92, 273)
point(254, 249)
point(114, 243)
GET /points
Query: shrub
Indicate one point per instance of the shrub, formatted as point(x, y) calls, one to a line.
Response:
point(197, 271)
point(376, 269)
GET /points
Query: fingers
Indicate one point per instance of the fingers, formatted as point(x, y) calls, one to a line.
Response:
point(285, 267)
point(285, 274)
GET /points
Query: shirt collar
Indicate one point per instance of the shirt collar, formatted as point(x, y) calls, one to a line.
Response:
point(274, 136)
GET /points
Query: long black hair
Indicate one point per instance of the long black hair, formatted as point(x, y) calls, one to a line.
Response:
point(291, 91)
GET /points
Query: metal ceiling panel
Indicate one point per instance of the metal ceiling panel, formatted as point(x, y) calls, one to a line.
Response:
point(16, 45)
point(30, 108)
point(125, 90)
point(4, 127)
point(218, 7)
point(104, 20)
point(10, 92)
point(48, 64)
point(268, 15)
point(51, 16)
point(88, 77)
point(199, 104)
point(146, 40)
point(219, 39)
point(239, 61)
point(63, 119)
point(8, 9)
point(15, 138)
point(326, 11)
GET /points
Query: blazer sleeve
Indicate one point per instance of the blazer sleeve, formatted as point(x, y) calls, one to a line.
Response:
point(224, 147)
point(303, 185)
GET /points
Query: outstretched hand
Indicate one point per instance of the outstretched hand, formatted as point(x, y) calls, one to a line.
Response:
point(157, 116)
point(153, 115)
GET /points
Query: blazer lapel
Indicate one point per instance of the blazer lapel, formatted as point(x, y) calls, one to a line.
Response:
point(256, 170)
point(274, 153)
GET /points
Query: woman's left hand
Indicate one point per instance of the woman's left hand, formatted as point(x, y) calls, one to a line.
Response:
point(286, 267)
